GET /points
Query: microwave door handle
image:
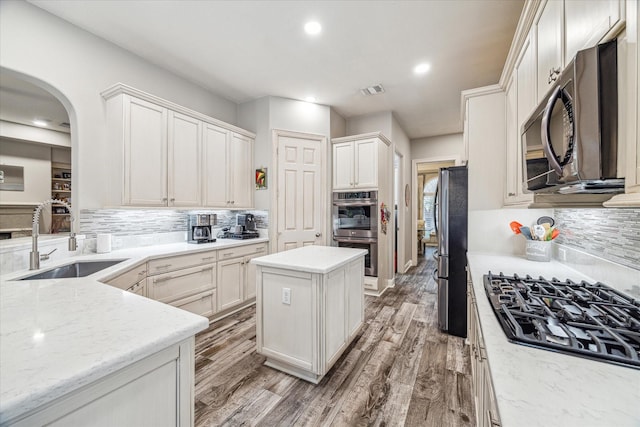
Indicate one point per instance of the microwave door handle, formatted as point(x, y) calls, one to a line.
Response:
point(558, 93)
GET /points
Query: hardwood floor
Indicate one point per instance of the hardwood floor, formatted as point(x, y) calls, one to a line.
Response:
point(400, 370)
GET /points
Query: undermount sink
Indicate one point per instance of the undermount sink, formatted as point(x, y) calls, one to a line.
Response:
point(77, 269)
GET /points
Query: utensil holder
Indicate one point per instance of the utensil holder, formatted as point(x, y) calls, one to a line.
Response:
point(538, 250)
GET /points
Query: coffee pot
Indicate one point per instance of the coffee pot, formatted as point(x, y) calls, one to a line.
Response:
point(199, 229)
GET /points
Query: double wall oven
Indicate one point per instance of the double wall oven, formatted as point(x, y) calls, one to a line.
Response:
point(355, 225)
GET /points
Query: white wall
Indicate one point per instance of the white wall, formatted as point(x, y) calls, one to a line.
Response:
point(76, 66)
point(438, 146)
point(378, 122)
point(36, 161)
point(338, 124)
point(402, 145)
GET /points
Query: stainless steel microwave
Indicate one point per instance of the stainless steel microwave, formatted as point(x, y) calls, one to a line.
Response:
point(570, 142)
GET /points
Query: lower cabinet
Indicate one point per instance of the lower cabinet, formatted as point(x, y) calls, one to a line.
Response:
point(192, 289)
point(156, 391)
point(203, 303)
point(482, 386)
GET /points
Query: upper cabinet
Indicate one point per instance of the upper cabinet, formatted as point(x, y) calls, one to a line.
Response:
point(227, 164)
point(355, 163)
point(174, 157)
point(548, 30)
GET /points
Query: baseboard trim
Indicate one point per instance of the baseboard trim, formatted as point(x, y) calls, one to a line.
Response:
point(407, 266)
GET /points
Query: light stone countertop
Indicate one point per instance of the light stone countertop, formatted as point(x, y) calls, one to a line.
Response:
point(310, 259)
point(536, 387)
point(57, 335)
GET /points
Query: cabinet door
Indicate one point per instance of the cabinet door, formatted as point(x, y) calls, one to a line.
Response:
point(184, 160)
point(366, 163)
point(145, 158)
point(230, 283)
point(215, 158)
point(587, 21)
point(343, 164)
point(549, 45)
point(241, 163)
point(511, 184)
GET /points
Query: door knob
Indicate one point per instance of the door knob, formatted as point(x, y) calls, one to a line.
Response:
point(318, 234)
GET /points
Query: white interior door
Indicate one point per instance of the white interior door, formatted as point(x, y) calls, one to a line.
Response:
point(301, 205)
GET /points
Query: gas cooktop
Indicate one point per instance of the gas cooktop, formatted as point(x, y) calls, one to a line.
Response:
point(583, 319)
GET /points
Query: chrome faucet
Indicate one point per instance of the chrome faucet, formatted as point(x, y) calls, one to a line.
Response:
point(34, 255)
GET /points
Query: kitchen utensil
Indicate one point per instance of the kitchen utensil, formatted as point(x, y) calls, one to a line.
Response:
point(524, 230)
point(515, 226)
point(554, 233)
point(538, 232)
point(546, 220)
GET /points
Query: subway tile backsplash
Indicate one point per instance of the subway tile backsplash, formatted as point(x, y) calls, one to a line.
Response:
point(128, 222)
point(612, 234)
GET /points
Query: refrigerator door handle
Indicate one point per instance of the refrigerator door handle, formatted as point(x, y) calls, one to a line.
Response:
point(435, 208)
point(434, 275)
point(435, 255)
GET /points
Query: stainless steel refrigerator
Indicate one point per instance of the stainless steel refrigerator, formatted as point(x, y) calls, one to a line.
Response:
point(451, 219)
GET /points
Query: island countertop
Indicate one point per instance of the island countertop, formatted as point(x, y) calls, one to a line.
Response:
point(311, 259)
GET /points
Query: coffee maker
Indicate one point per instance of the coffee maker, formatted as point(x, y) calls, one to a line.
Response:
point(245, 227)
point(200, 228)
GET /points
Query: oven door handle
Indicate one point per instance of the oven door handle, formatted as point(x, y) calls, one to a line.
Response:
point(355, 204)
point(355, 240)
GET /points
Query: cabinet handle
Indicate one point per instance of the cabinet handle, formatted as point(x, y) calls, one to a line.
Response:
point(227, 254)
point(163, 266)
point(164, 199)
point(228, 202)
point(208, 257)
point(206, 269)
point(259, 249)
point(233, 202)
point(162, 279)
point(172, 199)
point(511, 194)
point(142, 273)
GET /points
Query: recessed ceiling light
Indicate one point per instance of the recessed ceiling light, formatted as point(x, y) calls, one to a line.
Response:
point(310, 99)
point(421, 68)
point(41, 123)
point(312, 28)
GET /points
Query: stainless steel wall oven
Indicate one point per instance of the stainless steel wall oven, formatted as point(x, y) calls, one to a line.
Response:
point(355, 224)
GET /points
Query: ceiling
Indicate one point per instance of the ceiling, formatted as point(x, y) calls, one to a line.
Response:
point(244, 50)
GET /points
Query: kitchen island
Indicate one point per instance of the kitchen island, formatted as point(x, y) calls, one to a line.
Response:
point(537, 387)
point(309, 307)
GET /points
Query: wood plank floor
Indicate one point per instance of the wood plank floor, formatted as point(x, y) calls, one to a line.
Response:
point(400, 370)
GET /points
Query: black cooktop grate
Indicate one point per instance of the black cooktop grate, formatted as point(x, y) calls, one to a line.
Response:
point(586, 319)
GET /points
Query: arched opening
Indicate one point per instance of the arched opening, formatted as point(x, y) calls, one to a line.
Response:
point(36, 140)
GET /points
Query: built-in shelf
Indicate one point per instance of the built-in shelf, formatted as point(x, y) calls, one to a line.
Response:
point(60, 176)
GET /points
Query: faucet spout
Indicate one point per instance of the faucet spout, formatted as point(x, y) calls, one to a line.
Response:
point(34, 255)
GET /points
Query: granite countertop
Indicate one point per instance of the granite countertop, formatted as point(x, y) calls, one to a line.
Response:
point(536, 387)
point(311, 259)
point(57, 335)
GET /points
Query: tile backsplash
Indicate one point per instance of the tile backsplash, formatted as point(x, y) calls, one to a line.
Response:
point(612, 234)
point(128, 222)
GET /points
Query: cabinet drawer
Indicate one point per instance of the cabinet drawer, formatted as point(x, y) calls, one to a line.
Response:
point(130, 277)
point(164, 265)
point(182, 283)
point(203, 304)
point(260, 249)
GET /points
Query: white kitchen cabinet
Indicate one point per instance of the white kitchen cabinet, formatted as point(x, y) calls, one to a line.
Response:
point(165, 155)
point(355, 163)
point(236, 276)
point(184, 160)
point(132, 280)
point(587, 22)
point(145, 153)
point(227, 165)
point(156, 391)
point(482, 386)
point(308, 316)
point(549, 41)
point(520, 102)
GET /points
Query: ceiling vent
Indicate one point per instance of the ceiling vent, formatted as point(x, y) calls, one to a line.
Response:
point(372, 90)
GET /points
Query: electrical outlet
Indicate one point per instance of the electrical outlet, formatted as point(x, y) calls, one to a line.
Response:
point(562, 254)
point(286, 296)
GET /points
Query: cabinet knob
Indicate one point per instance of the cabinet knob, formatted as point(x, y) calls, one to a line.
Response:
point(172, 199)
point(318, 234)
point(164, 199)
point(511, 194)
point(233, 202)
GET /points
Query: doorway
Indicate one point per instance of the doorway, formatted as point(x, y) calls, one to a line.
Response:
point(299, 200)
point(425, 176)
